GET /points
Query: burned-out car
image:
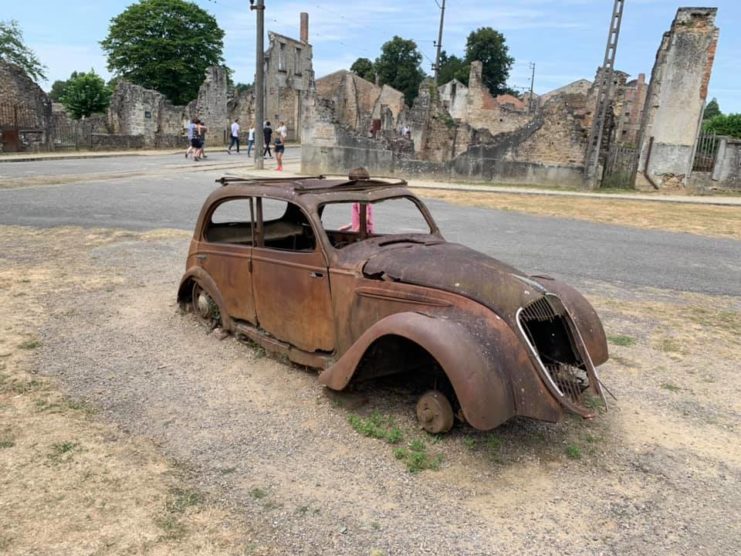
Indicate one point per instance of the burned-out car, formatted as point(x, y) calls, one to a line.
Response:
point(353, 277)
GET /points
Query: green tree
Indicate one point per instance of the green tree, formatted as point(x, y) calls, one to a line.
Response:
point(85, 94)
point(711, 110)
point(399, 66)
point(165, 45)
point(363, 67)
point(57, 88)
point(724, 124)
point(451, 67)
point(13, 50)
point(488, 46)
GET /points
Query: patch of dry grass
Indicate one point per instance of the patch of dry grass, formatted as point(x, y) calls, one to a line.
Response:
point(94, 488)
point(714, 221)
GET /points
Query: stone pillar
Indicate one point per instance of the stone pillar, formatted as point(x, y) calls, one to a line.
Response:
point(676, 98)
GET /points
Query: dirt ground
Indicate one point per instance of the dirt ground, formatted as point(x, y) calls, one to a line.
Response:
point(126, 427)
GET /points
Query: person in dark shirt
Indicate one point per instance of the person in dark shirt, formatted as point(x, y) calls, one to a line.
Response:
point(267, 133)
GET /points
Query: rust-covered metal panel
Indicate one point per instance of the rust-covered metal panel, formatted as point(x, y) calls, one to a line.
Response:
point(508, 343)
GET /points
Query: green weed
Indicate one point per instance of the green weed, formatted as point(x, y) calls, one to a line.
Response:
point(377, 426)
point(573, 451)
point(416, 457)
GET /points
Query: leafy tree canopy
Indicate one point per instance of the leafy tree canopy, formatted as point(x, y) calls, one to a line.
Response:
point(57, 88)
point(85, 94)
point(711, 110)
point(13, 50)
point(165, 45)
point(363, 67)
point(724, 124)
point(488, 46)
point(399, 66)
point(452, 67)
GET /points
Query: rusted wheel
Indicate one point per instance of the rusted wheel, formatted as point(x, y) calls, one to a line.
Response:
point(205, 307)
point(434, 412)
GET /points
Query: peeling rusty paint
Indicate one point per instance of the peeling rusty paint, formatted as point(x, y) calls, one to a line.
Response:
point(359, 305)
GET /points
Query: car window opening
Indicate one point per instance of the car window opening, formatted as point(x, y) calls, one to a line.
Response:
point(348, 222)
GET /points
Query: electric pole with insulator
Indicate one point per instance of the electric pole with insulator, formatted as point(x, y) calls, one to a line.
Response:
point(259, 7)
point(439, 43)
point(531, 106)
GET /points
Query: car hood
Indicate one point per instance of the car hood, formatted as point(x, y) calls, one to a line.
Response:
point(458, 269)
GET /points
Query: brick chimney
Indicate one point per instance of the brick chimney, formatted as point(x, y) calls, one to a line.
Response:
point(304, 28)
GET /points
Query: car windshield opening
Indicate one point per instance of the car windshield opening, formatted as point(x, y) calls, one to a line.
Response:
point(347, 222)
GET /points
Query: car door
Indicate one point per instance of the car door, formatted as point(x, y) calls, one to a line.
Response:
point(290, 278)
point(226, 255)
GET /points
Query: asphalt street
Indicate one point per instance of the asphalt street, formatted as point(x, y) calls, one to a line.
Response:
point(171, 191)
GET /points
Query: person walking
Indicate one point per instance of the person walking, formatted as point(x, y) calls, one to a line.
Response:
point(235, 136)
point(191, 127)
point(250, 138)
point(280, 144)
point(199, 135)
point(267, 133)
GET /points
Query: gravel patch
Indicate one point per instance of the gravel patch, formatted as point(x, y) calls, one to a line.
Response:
point(268, 441)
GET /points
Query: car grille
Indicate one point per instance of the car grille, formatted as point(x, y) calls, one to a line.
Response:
point(548, 329)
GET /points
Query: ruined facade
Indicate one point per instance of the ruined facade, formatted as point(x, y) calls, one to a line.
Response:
point(25, 111)
point(288, 74)
point(360, 104)
point(136, 111)
point(676, 98)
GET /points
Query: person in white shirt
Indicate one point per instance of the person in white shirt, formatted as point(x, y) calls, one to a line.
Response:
point(235, 136)
point(280, 144)
point(250, 138)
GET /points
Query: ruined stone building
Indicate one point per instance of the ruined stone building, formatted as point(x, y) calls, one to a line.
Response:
point(25, 110)
point(460, 131)
point(676, 98)
point(288, 75)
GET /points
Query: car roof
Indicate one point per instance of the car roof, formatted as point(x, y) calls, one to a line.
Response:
point(313, 184)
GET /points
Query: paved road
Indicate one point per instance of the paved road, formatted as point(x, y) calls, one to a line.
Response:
point(574, 250)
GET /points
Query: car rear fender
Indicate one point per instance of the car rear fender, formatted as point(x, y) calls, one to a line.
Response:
point(477, 377)
point(197, 274)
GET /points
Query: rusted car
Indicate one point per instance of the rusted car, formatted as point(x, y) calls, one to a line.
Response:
point(353, 277)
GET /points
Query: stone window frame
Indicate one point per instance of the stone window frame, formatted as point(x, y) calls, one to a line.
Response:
point(282, 56)
point(297, 62)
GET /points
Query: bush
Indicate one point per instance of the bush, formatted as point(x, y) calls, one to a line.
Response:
point(724, 124)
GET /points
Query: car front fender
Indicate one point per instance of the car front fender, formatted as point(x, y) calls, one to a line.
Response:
point(584, 315)
point(197, 274)
point(461, 348)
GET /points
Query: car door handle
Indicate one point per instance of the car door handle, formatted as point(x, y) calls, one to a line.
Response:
point(315, 274)
point(201, 257)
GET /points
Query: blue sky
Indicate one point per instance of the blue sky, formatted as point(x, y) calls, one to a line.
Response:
point(564, 38)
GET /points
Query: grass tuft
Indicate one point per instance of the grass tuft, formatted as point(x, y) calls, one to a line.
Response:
point(620, 340)
point(573, 451)
point(30, 344)
point(671, 387)
point(416, 457)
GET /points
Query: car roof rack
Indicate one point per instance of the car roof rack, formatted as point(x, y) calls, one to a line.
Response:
point(315, 184)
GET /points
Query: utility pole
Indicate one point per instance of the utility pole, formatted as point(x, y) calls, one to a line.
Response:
point(439, 42)
point(604, 93)
point(259, 83)
point(531, 107)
